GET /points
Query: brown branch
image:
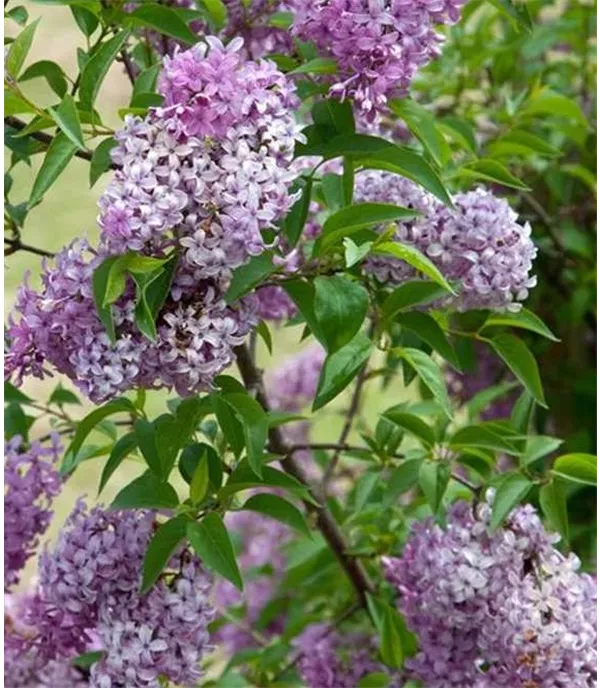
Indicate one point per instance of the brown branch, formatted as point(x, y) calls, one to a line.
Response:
point(354, 569)
point(15, 245)
point(46, 139)
point(126, 60)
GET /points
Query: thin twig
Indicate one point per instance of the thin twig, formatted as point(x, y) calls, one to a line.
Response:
point(46, 139)
point(17, 245)
point(128, 66)
point(326, 523)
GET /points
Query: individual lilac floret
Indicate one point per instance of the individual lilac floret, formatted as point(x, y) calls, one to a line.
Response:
point(263, 563)
point(161, 634)
point(337, 660)
point(479, 244)
point(495, 609)
point(378, 45)
point(31, 481)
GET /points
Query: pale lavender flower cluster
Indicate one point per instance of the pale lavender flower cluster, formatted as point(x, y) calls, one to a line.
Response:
point(293, 384)
point(495, 609)
point(378, 44)
point(331, 659)
point(89, 584)
point(201, 176)
point(31, 481)
point(262, 561)
point(479, 244)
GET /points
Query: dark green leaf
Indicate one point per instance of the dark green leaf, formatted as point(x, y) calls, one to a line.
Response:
point(50, 71)
point(433, 480)
point(483, 437)
point(12, 394)
point(63, 396)
point(244, 478)
point(374, 680)
point(146, 81)
point(96, 68)
point(412, 424)
point(164, 20)
point(509, 493)
point(59, 154)
point(460, 131)
point(554, 507)
point(160, 549)
point(18, 14)
point(523, 319)
point(190, 459)
point(87, 21)
point(100, 286)
point(230, 426)
point(101, 160)
point(517, 13)
point(427, 329)
point(124, 446)
point(263, 330)
point(16, 422)
point(340, 368)
point(279, 509)
point(146, 492)
point(67, 118)
point(247, 277)
point(577, 468)
point(87, 659)
point(18, 50)
point(422, 124)
point(145, 433)
point(521, 362)
point(293, 225)
point(340, 308)
point(431, 376)
point(302, 294)
point(255, 425)
point(210, 540)
point(409, 295)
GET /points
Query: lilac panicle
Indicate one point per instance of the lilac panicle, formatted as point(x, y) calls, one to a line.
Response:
point(495, 609)
point(31, 481)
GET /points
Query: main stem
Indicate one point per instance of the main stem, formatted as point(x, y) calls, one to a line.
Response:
point(354, 569)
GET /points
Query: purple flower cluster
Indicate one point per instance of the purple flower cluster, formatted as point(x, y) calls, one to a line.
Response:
point(263, 563)
point(495, 609)
point(378, 44)
point(88, 595)
point(334, 660)
point(293, 384)
point(478, 244)
point(201, 176)
point(31, 481)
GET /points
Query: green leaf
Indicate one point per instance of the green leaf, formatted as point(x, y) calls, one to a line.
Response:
point(409, 295)
point(433, 480)
point(101, 159)
point(217, 13)
point(355, 254)
point(59, 154)
point(518, 142)
point(255, 425)
point(145, 434)
point(100, 286)
point(340, 368)
point(340, 308)
point(263, 330)
point(210, 540)
point(229, 424)
point(87, 21)
point(422, 124)
point(146, 492)
point(517, 13)
point(302, 294)
point(200, 482)
point(548, 102)
point(18, 14)
point(87, 659)
point(521, 362)
point(553, 501)
point(67, 118)
point(12, 394)
point(16, 422)
point(577, 468)
point(193, 455)
point(402, 479)
point(460, 131)
point(164, 20)
point(409, 164)
point(160, 549)
point(247, 277)
point(19, 49)
point(521, 415)
point(146, 81)
point(279, 509)
point(320, 65)
point(244, 478)
point(293, 224)
point(396, 641)
point(539, 446)
point(483, 437)
point(96, 68)
point(122, 448)
point(352, 219)
point(50, 71)
point(511, 491)
point(152, 289)
point(375, 680)
point(480, 401)
point(412, 424)
point(87, 424)
point(411, 255)
point(427, 329)
point(492, 171)
point(430, 374)
point(523, 319)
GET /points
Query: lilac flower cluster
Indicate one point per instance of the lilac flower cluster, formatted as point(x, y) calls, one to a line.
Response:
point(201, 176)
point(334, 660)
point(88, 596)
point(31, 481)
point(488, 371)
point(378, 45)
point(495, 609)
point(478, 244)
point(263, 563)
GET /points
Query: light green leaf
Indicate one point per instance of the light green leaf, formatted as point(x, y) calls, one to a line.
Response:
point(320, 65)
point(577, 468)
point(124, 446)
point(423, 125)
point(539, 446)
point(412, 424)
point(428, 329)
point(59, 154)
point(200, 481)
point(19, 49)
point(553, 501)
point(509, 493)
point(210, 540)
point(162, 19)
point(96, 68)
point(279, 509)
point(523, 319)
point(355, 254)
point(402, 479)
point(409, 295)
point(434, 477)
point(430, 374)
point(492, 171)
point(545, 101)
point(411, 255)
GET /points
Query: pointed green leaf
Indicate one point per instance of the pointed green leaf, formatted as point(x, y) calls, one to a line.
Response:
point(124, 446)
point(427, 329)
point(67, 118)
point(430, 374)
point(101, 159)
point(434, 477)
point(511, 491)
point(210, 540)
point(412, 424)
point(523, 319)
point(248, 276)
point(19, 49)
point(160, 549)
point(577, 468)
point(96, 68)
point(423, 125)
point(146, 492)
point(59, 154)
point(279, 509)
point(255, 425)
point(409, 295)
point(492, 171)
point(553, 501)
